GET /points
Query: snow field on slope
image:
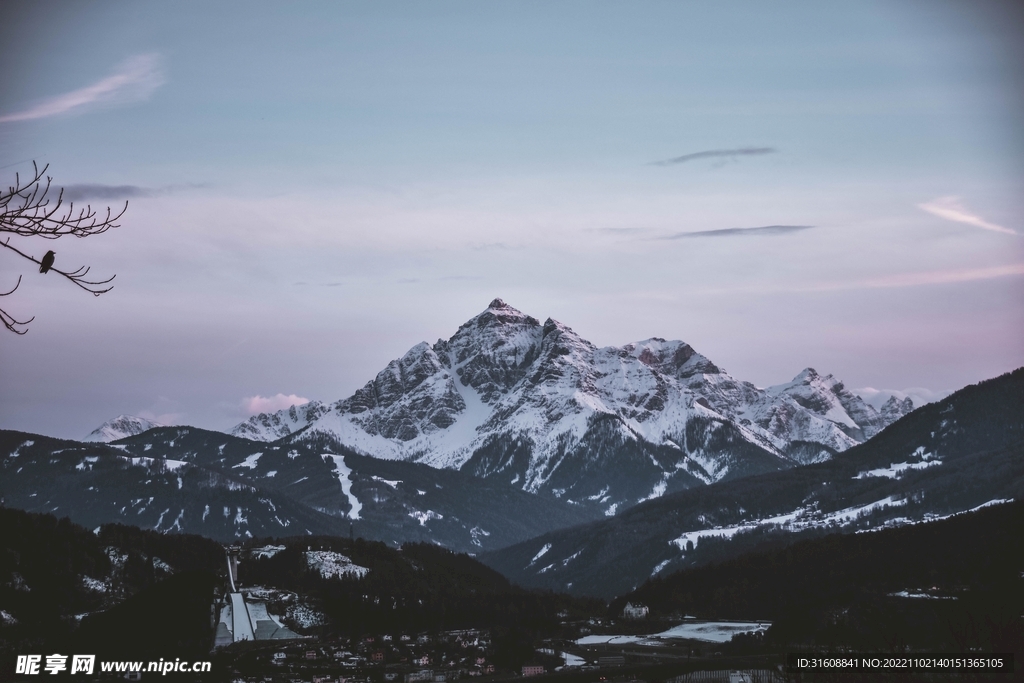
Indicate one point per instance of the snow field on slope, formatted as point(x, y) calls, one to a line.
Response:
point(249, 462)
point(145, 461)
point(334, 565)
point(797, 520)
point(894, 470)
point(343, 473)
point(707, 631)
point(452, 447)
point(424, 517)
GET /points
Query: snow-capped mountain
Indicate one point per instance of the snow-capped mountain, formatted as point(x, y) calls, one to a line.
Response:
point(120, 427)
point(537, 406)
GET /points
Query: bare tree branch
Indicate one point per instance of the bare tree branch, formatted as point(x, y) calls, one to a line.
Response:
point(27, 211)
point(8, 320)
point(76, 276)
point(16, 285)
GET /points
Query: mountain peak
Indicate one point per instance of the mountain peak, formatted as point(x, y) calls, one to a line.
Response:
point(120, 427)
point(806, 375)
point(498, 313)
point(894, 408)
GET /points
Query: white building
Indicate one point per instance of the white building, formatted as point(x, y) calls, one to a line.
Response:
point(637, 611)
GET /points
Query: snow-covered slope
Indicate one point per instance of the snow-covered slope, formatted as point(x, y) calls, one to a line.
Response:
point(120, 427)
point(536, 405)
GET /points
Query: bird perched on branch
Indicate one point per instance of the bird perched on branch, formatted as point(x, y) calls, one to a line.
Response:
point(47, 262)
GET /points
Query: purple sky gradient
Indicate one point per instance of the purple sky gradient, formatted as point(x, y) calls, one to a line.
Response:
point(316, 188)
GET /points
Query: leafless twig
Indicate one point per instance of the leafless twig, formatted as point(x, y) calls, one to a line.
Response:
point(27, 211)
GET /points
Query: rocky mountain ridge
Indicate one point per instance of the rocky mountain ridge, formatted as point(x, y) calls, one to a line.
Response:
point(535, 405)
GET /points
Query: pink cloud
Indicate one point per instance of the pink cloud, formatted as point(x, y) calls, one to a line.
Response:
point(932, 277)
point(938, 277)
point(254, 405)
point(951, 209)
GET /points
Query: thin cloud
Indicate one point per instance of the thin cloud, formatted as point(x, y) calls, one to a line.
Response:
point(733, 232)
point(616, 231)
point(486, 246)
point(934, 277)
point(77, 193)
point(942, 277)
point(716, 154)
point(135, 79)
point(951, 209)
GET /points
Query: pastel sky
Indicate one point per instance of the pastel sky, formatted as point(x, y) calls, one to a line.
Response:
point(315, 187)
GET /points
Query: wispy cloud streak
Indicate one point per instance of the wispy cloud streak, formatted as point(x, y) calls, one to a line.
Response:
point(615, 231)
point(734, 232)
point(135, 79)
point(934, 277)
point(716, 154)
point(76, 193)
point(951, 209)
point(942, 277)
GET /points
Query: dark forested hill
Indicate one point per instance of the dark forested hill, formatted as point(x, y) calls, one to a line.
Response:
point(419, 587)
point(121, 589)
point(184, 479)
point(865, 589)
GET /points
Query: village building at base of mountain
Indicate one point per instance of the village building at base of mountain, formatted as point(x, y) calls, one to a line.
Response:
point(636, 611)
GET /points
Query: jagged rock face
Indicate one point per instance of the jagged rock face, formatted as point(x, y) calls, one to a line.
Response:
point(120, 427)
point(493, 351)
point(894, 409)
point(273, 426)
point(818, 409)
point(412, 396)
point(540, 407)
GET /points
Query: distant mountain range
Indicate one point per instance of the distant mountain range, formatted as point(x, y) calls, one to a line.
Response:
point(536, 406)
point(120, 427)
point(962, 453)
